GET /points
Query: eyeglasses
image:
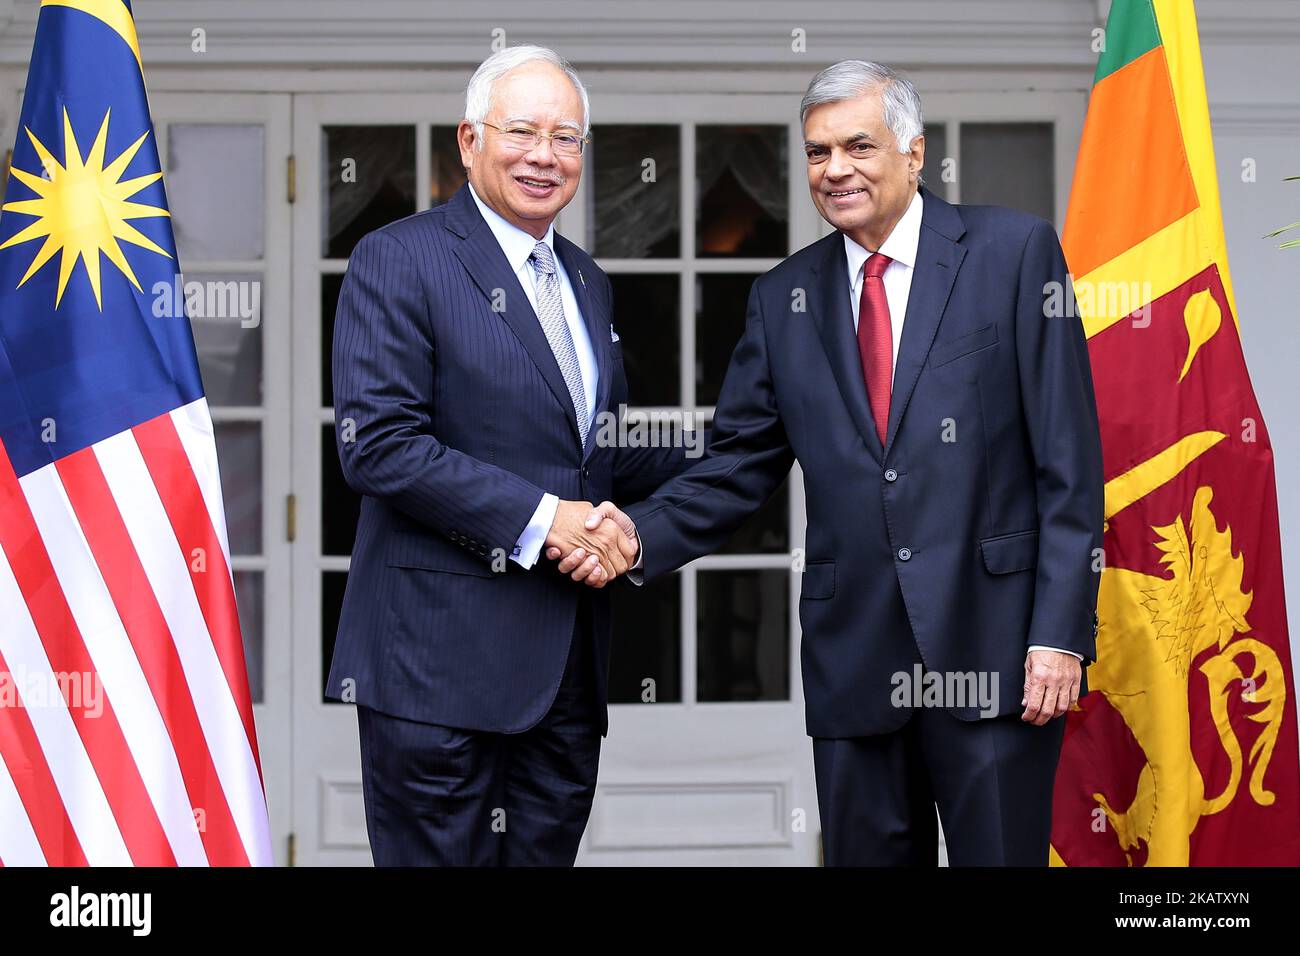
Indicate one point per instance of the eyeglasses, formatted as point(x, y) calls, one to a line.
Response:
point(523, 138)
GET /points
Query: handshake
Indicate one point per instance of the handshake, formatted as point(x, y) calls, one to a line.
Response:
point(593, 544)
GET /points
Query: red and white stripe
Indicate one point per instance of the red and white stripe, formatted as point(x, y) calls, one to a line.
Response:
point(114, 562)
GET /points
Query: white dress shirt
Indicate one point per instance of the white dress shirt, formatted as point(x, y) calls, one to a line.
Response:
point(900, 246)
point(518, 246)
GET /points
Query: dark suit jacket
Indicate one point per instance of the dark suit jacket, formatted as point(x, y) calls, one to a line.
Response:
point(983, 508)
point(461, 421)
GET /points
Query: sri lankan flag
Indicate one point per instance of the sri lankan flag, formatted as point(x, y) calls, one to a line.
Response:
point(1187, 754)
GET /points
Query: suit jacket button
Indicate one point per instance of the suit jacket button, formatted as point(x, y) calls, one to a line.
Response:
point(586, 472)
point(904, 554)
point(891, 475)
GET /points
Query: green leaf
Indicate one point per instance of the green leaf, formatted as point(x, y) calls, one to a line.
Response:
point(1278, 232)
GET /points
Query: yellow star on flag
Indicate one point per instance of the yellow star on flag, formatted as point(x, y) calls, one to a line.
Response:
point(82, 209)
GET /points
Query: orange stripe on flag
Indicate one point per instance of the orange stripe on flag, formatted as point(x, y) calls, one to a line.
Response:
point(1131, 176)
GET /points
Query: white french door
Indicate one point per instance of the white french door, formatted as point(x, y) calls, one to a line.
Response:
point(717, 768)
point(684, 202)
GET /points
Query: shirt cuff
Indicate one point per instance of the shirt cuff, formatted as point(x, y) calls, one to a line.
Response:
point(1044, 647)
point(636, 574)
point(529, 545)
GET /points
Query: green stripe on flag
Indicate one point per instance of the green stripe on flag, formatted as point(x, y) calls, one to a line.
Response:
point(1130, 31)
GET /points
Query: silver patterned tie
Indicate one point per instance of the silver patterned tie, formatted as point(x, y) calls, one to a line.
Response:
point(550, 313)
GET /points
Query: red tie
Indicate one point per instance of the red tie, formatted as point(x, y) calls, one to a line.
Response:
point(876, 341)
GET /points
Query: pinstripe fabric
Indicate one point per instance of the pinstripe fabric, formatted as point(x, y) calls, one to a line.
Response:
point(436, 796)
point(453, 418)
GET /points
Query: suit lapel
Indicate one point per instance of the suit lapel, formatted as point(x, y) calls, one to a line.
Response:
point(488, 267)
point(833, 315)
point(598, 325)
point(938, 257)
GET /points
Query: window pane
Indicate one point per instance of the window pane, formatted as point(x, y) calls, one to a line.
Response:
point(332, 586)
point(1009, 164)
point(646, 320)
point(743, 622)
point(250, 595)
point(767, 530)
point(367, 181)
point(239, 454)
point(636, 177)
point(330, 285)
point(719, 322)
point(227, 324)
point(742, 190)
point(340, 505)
point(647, 643)
point(446, 174)
point(216, 190)
point(936, 151)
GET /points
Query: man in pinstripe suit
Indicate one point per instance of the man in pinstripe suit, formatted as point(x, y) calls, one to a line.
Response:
point(473, 349)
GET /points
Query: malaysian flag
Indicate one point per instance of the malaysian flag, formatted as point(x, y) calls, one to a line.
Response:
point(126, 723)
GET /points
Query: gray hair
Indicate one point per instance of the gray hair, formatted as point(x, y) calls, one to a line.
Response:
point(850, 79)
point(478, 95)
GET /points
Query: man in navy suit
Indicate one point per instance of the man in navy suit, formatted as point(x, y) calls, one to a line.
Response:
point(945, 422)
point(473, 351)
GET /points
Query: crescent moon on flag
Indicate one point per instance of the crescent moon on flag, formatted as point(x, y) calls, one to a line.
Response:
point(113, 13)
